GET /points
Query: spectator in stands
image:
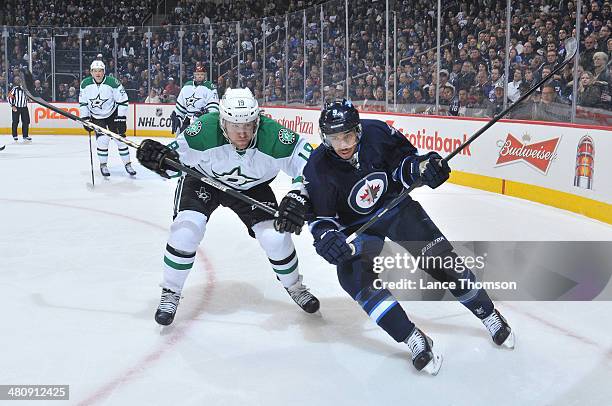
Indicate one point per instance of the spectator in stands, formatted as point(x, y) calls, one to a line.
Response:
point(586, 54)
point(171, 89)
point(72, 95)
point(153, 97)
point(38, 89)
point(589, 93)
point(497, 104)
point(514, 87)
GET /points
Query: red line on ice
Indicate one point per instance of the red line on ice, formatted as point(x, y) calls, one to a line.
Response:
point(179, 332)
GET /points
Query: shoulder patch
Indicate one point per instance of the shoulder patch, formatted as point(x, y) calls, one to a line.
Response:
point(111, 81)
point(286, 136)
point(86, 82)
point(194, 129)
point(210, 85)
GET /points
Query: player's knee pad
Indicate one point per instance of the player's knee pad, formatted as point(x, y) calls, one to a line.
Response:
point(187, 231)
point(102, 141)
point(120, 144)
point(276, 245)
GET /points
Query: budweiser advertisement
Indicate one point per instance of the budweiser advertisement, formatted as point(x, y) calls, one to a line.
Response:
point(539, 155)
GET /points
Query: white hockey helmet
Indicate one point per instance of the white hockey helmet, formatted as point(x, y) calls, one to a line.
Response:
point(97, 65)
point(239, 106)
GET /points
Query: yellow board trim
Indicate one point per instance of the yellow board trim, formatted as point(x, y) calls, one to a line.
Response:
point(578, 204)
point(80, 131)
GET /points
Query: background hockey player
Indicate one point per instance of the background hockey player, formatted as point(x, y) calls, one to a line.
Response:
point(104, 102)
point(197, 97)
point(246, 151)
point(360, 166)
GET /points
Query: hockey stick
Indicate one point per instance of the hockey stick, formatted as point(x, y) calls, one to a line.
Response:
point(93, 183)
point(570, 48)
point(171, 163)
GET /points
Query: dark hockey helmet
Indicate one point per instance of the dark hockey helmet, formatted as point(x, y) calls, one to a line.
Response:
point(338, 117)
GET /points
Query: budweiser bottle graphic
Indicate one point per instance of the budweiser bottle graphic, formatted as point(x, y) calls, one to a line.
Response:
point(585, 163)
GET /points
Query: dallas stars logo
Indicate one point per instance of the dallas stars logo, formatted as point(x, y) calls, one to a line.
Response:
point(191, 100)
point(97, 102)
point(234, 177)
point(203, 194)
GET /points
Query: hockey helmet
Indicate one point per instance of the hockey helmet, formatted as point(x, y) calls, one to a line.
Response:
point(338, 117)
point(97, 65)
point(239, 106)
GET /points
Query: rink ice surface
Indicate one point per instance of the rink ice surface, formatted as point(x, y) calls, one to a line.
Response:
point(79, 280)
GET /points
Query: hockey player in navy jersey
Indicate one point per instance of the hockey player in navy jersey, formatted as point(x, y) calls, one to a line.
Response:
point(359, 167)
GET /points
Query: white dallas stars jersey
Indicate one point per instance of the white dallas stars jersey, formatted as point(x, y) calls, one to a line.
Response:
point(195, 98)
point(100, 100)
point(203, 147)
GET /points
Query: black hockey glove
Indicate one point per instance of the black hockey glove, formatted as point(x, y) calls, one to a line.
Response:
point(176, 122)
point(121, 125)
point(429, 169)
point(151, 154)
point(291, 213)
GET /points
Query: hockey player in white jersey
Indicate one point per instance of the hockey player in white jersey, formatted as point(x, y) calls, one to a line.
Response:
point(244, 150)
point(198, 96)
point(103, 101)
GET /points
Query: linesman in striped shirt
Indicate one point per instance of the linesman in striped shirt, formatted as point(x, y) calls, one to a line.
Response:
point(103, 101)
point(19, 105)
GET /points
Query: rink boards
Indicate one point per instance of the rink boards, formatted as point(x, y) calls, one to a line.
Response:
point(559, 164)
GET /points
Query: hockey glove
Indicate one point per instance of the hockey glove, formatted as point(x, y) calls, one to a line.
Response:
point(151, 154)
point(176, 122)
point(85, 126)
point(120, 125)
point(332, 246)
point(291, 213)
point(429, 169)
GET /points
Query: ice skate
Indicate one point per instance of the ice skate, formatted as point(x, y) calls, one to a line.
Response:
point(500, 331)
point(129, 169)
point(423, 356)
point(300, 295)
point(104, 170)
point(167, 307)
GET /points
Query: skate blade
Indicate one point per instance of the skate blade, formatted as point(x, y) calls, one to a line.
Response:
point(510, 341)
point(434, 365)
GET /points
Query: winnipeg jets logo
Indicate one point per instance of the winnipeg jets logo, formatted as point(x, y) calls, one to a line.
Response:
point(234, 177)
point(191, 100)
point(203, 194)
point(367, 192)
point(370, 194)
point(96, 103)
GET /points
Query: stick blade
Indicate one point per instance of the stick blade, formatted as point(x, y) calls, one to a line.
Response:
point(571, 46)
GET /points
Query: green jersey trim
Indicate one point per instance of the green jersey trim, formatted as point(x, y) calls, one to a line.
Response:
point(275, 140)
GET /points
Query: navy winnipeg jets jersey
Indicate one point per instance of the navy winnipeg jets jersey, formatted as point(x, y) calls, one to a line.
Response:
point(350, 194)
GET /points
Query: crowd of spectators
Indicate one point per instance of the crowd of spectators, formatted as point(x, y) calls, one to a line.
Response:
point(471, 74)
point(73, 13)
